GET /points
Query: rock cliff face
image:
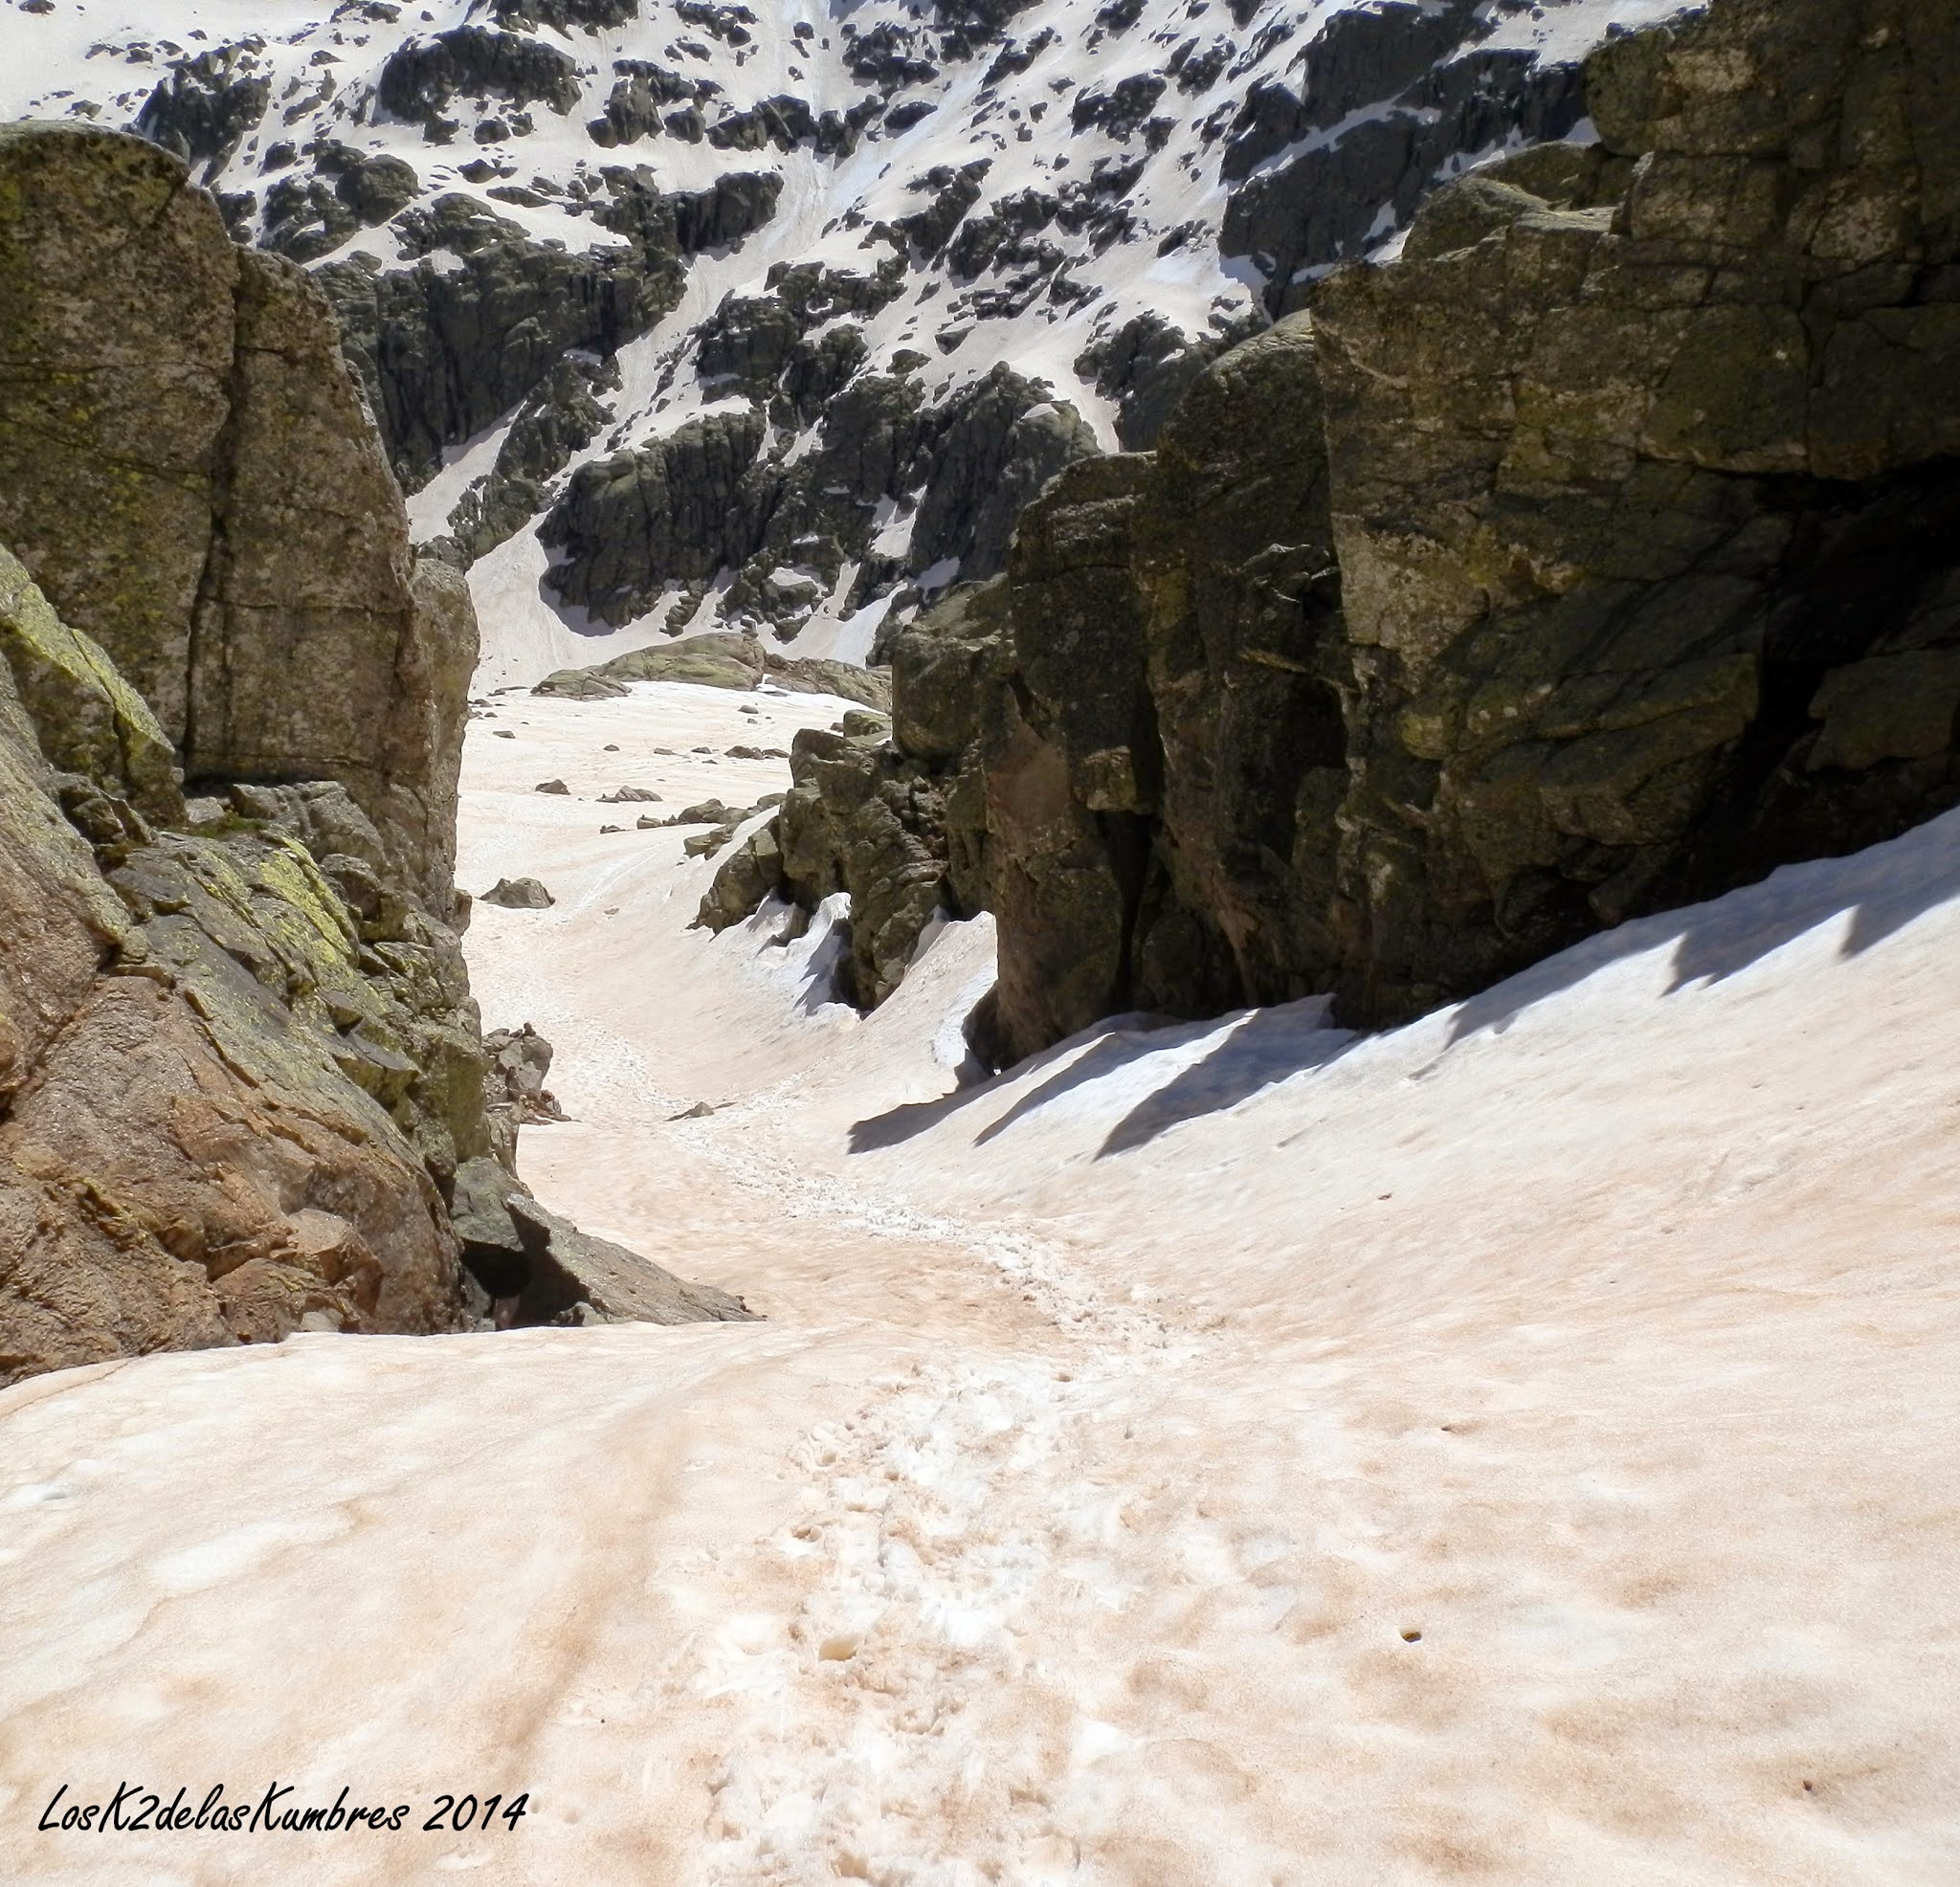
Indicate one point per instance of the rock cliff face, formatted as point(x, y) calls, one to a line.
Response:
point(1644, 492)
point(244, 558)
point(243, 1089)
point(1597, 555)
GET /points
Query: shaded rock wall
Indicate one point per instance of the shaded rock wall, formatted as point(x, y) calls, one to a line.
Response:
point(1643, 486)
point(1598, 556)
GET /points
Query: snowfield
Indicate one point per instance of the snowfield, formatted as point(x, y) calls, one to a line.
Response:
point(1520, 1447)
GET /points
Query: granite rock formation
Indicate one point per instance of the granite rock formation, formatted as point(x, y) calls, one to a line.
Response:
point(240, 1070)
point(246, 562)
point(1596, 556)
point(488, 193)
point(721, 658)
point(725, 490)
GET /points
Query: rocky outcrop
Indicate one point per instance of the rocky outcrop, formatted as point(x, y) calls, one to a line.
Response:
point(226, 1091)
point(540, 1269)
point(484, 319)
point(988, 451)
point(719, 494)
point(207, 104)
point(421, 77)
point(1597, 557)
point(719, 659)
point(443, 350)
point(675, 511)
point(1390, 100)
point(1510, 593)
point(562, 415)
point(240, 1070)
point(246, 562)
point(308, 216)
point(890, 811)
point(1689, 610)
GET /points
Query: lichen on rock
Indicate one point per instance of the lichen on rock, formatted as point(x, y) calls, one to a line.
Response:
point(240, 1068)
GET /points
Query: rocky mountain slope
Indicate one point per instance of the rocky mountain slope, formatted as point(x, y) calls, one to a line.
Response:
point(672, 313)
point(243, 1089)
point(1598, 553)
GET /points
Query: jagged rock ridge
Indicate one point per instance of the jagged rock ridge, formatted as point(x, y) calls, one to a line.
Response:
point(939, 253)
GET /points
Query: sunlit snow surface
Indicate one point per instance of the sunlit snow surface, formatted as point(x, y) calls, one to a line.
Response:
point(106, 56)
point(1114, 1426)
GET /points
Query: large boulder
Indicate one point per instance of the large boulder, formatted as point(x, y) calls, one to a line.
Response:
point(891, 811)
point(540, 1269)
point(862, 817)
point(245, 562)
point(1643, 494)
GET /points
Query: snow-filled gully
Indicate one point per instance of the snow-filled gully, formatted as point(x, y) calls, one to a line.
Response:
point(1512, 1449)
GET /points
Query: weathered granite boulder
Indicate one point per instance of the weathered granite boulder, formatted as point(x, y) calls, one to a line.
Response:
point(1643, 492)
point(676, 510)
point(519, 894)
point(718, 659)
point(890, 809)
point(517, 1064)
point(721, 658)
point(246, 562)
point(539, 1268)
point(862, 817)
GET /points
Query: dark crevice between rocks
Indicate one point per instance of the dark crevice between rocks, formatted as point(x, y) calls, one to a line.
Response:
point(1861, 554)
point(213, 577)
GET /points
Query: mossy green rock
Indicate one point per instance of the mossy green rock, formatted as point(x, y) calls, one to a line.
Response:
point(718, 659)
point(88, 719)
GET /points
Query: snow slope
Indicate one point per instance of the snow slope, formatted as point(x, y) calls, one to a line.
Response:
point(1519, 1447)
point(1114, 137)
